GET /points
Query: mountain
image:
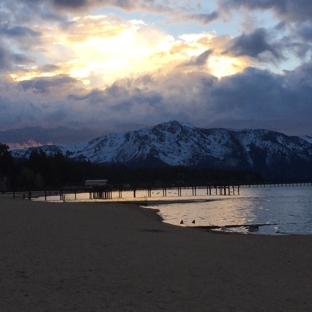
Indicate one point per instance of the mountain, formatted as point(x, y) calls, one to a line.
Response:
point(274, 155)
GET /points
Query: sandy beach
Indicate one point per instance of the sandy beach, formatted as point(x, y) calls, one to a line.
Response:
point(119, 257)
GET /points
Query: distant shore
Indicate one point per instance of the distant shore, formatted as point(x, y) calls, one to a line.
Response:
point(119, 257)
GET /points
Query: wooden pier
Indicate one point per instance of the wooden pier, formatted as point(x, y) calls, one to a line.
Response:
point(225, 190)
point(272, 184)
point(108, 193)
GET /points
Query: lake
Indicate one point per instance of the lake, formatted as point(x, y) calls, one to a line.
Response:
point(276, 210)
point(279, 210)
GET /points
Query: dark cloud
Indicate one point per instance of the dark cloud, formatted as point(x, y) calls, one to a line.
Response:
point(71, 3)
point(43, 85)
point(202, 58)
point(79, 4)
point(288, 10)
point(5, 59)
point(8, 59)
point(305, 32)
point(297, 46)
point(21, 12)
point(204, 18)
point(17, 31)
point(21, 59)
point(24, 37)
point(54, 9)
point(199, 60)
point(278, 102)
point(254, 93)
point(252, 99)
point(255, 44)
point(48, 68)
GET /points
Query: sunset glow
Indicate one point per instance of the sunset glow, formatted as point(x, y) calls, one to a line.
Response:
point(82, 63)
point(103, 51)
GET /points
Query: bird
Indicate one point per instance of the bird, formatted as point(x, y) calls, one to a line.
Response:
point(181, 222)
point(193, 221)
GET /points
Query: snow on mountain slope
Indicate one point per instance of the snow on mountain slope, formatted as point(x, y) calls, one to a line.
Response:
point(174, 143)
point(307, 138)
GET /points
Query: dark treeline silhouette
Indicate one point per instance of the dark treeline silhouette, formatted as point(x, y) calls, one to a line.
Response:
point(42, 171)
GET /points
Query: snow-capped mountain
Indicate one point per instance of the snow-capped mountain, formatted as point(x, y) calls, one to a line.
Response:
point(175, 143)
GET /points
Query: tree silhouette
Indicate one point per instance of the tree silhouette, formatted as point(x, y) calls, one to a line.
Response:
point(6, 160)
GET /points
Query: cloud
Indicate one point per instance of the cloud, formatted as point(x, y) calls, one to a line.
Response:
point(17, 31)
point(305, 32)
point(9, 59)
point(97, 50)
point(6, 59)
point(259, 98)
point(286, 10)
point(23, 12)
point(256, 45)
point(23, 37)
point(77, 6)
point(202, 18)
point(77, 69)
point(83, 4)
point(58, 10)
point(48, 68)
point(200, 60)
point(44, 85)
point(101, 26)
point(253, 98)
point(21, 59)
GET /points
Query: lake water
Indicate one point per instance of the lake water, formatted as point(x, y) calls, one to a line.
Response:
point(276, 210)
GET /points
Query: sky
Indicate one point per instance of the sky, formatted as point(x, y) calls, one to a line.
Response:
point(119, 65)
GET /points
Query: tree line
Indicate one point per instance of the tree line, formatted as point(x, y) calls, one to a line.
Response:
point(41, 171)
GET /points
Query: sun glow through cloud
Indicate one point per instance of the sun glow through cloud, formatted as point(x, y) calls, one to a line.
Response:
point(222, 66)
point(104, 49)
point(116, 65)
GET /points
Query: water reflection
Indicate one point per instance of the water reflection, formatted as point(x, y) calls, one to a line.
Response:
point(277, 211)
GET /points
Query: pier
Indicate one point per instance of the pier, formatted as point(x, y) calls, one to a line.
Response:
point(172, 191)
point(110, 193)
point(276, 184)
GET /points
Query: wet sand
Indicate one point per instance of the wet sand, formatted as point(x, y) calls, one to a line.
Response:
point(119, 257)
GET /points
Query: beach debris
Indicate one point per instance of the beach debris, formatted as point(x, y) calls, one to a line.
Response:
point(253, 227)
point(193, 221)
point(181, 222)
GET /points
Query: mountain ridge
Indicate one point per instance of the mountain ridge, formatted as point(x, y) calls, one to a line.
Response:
point(173, 143)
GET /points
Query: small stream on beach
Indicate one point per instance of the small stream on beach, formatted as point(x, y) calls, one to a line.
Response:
point(263, 210)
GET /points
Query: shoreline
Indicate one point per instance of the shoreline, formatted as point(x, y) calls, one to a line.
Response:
point(119, 257)
point(143, 204)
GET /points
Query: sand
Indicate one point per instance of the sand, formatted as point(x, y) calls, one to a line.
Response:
point(119, 257)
